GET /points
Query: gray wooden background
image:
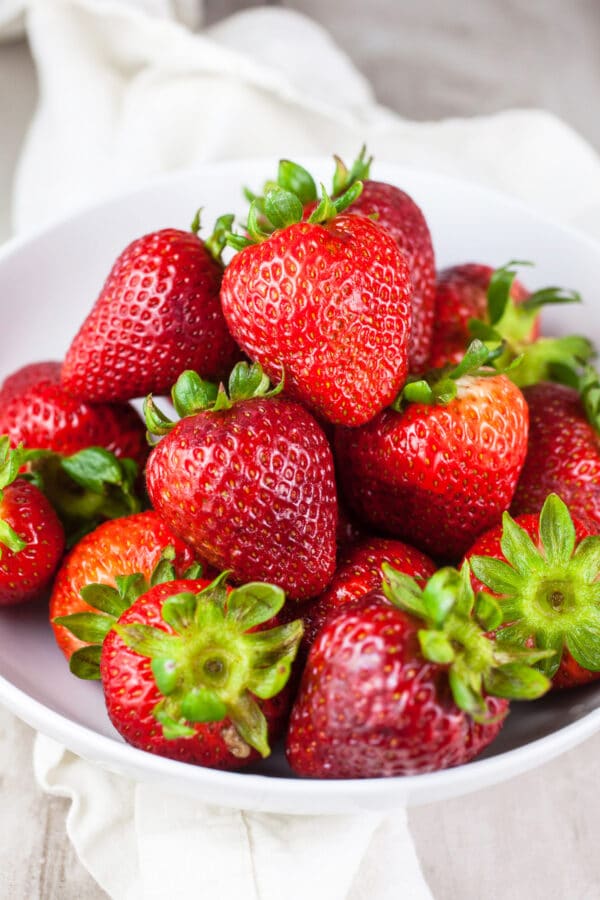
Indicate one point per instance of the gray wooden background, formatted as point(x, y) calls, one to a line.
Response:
point(536, 836)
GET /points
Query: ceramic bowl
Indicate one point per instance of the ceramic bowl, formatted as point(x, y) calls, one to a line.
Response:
point(48, 282)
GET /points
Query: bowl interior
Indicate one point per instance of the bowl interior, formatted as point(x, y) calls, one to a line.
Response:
point(47, 285)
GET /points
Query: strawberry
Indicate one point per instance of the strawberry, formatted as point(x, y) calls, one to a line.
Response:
point(131, 544)
point(32, 539)
point(473, 300)
point(563, 454)
point(247, 479)
point(37, 411)
point(325, 302)
point(197, 674)
point(442, 465)
point(157, 314)
point(358, 572)
point(405, 681)
point(398, 213)
point(545, 571)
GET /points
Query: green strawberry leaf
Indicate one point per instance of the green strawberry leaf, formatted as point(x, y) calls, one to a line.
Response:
point(85, 662)
point(516, 681)
point(295, 179)
point(89, 627)
point(254, 603)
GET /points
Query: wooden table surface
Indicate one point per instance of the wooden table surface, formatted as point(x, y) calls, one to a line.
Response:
point(536, 836)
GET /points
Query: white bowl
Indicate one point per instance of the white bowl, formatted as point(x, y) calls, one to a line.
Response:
point(48, 283)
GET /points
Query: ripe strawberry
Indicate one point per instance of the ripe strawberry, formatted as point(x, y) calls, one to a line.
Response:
point(37, 411)
point(189, 672)
point(324, 301)
point(247, 481)
point(406, 681)
point(442, 466)
point(398, 213)
point(32, 540)
point(132, 544)
point(545, 571)
point(563, 454)
point(358, 573)
point(157, 314)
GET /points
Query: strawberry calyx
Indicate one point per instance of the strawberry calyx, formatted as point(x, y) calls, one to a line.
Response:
point(11, 462)
point(217, 241)
point(284, 203)
point(192, 394)
point(110, 603)
point(85, 488)
point(440, 386)
point(512, 323)
point(549, 593)
point(457, 622)
point(216, 664)
point(343, 178)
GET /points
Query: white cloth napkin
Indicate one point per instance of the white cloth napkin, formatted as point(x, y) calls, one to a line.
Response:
point(128, 91)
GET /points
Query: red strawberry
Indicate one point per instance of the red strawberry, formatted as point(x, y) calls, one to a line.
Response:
point(473, 300)
point(325, 302)
point(563, 454)
point(157, 314)
point(32, 539)
point(132, 544)
point(247, 481)
point(545, 570)
point(395, 211)
point(441, 468)
point(404, 687)
point(37, 411)
point(358, 573)
point(190, 672)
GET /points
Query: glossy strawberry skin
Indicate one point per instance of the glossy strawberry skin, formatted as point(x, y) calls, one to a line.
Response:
point(131, 694)
point(252, 489)
point(563, 455)
point(569, 673)
point(330, 307)
point(117, 547)
point(461, 295)
point(359, 572)
point(369, 705)
point(25, 575)
point(438, 476)
point(399, 214)
point(36, 411)
point(157, 314)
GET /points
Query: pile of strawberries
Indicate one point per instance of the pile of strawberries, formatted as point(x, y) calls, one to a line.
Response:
point(372, 520)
